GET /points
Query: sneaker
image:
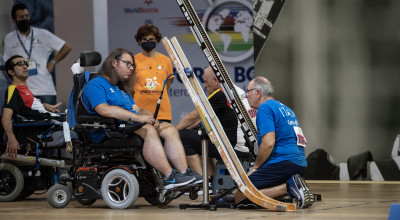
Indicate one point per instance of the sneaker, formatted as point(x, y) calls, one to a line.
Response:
point(226, 199)
point(177, 179)
point(199, 178)
point(246, 204)
point(298, 188)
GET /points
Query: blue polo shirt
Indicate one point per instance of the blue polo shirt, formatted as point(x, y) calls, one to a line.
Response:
point(98, 91)
point(273, 116)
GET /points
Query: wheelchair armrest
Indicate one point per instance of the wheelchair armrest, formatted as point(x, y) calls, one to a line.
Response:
point(111, 123)
point(32, 123)
point(96, 119)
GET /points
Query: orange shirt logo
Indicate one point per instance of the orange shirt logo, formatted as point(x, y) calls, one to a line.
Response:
point(151, 84)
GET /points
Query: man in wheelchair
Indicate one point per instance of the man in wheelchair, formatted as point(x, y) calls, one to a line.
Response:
point(106, 95)
point(20, 104)
point(28, 162)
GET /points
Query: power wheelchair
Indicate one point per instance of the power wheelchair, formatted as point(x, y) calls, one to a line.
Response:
point(113, 170)
point(40, 161)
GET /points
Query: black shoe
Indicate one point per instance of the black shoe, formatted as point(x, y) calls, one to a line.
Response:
point(177, 179)
point(225, 200)
point(246, 204)
point(297, 187)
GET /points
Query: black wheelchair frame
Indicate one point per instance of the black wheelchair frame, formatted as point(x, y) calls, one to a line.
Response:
point(37, 165)
point(113, 169)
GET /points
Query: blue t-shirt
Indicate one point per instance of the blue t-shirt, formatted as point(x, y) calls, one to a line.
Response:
point(273, 116)
point(98, 91)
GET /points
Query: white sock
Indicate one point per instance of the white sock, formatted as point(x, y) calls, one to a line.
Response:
point(168, 175)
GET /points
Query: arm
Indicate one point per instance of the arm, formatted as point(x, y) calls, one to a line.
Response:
point(119, 113)
point(266, 147)
point(58, 57)
point(145, 112)
point(52, 108)
point(141, 111)
point(189, 120)
point(12, 143)
point(195, 125)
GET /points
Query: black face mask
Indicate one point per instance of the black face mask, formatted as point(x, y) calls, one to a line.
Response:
point(148, 46)
point(23, 25)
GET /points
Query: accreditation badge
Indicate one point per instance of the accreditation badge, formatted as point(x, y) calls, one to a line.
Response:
point(32, 69)
point(301, 140)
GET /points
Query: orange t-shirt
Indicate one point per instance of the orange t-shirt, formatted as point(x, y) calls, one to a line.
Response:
point(151, 73)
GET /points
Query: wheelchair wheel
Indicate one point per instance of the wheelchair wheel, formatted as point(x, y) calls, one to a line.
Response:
point(86, 201)
point(120, 189)
point(193, 194)
point(155, 199)
point(58, 196)
point(11, 182)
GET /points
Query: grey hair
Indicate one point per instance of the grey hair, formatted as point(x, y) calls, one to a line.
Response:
point(264, 85)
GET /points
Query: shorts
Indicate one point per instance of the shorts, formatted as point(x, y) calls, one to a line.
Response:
point(192, 145)
point(270, 175)
point(161, 121)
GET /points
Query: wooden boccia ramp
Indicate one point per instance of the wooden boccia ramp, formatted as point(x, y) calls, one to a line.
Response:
point(340, 200)
point(211, 123)
point(215, 131)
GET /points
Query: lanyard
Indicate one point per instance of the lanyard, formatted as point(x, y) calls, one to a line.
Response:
point(23, 46)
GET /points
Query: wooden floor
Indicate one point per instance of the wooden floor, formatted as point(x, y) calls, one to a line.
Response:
point(355, 200)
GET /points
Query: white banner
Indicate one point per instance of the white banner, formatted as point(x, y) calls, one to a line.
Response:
point(228, 23)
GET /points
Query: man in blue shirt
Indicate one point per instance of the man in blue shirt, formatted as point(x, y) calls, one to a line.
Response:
point(107, 96)
point(280, 161)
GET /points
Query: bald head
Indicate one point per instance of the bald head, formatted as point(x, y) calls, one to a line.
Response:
point(209, 74)
point(211, 82)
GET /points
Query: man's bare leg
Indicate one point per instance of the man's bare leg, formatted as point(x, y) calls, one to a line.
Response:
point(211, 166)
point(173, 146)
point(194, 162)
point(153, 151)
point(272, 192)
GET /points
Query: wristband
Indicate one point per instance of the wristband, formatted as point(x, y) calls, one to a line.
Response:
point(53, 62)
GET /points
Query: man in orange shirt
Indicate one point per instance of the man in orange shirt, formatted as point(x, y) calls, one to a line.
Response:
point(152, 69)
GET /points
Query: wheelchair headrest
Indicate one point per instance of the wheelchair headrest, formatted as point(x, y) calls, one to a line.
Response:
point(79, 83)
point(90, 58)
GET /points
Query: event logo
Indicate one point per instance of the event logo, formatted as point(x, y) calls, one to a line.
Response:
point(229, 25)
point(142, 9)
point(151, 84)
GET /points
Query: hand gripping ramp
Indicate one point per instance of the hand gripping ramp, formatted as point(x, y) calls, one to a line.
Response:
point(216, 132)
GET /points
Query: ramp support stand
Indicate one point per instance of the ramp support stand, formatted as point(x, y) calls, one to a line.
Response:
point(206, 197)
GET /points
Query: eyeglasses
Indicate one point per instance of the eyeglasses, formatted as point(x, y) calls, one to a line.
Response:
point(248, 90)
point(21, 63)
point(128, 64)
